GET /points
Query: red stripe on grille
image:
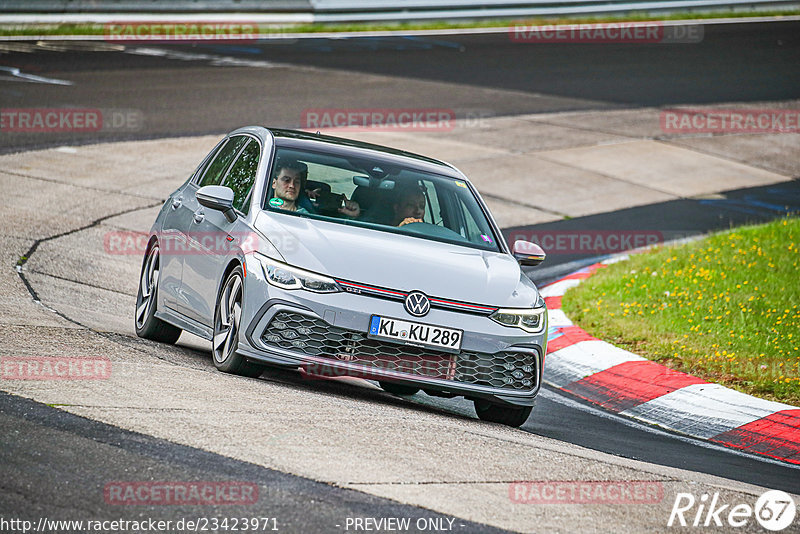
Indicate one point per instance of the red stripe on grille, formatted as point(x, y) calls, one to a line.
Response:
point(372, 288)
point(401, 294)
point(776, 435)
point(629, 384)
point(462, 304)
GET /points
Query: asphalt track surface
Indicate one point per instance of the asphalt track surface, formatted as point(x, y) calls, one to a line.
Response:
point(69, 460)
point(179, 93)
point(193, 90)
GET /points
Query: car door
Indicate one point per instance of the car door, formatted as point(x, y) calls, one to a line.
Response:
point(172, 239)
point(212, 237)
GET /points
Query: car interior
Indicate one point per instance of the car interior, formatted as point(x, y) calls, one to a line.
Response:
point(451, 211)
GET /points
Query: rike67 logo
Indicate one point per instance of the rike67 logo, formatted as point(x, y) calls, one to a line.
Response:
point(774, 510)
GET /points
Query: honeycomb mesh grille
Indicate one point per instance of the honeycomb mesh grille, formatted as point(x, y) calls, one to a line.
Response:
point(314, 337)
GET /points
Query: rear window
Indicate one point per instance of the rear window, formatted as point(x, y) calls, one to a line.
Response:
point(379, 195)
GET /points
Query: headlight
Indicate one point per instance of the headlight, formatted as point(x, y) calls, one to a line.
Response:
point(287, 277)
point(531, 320)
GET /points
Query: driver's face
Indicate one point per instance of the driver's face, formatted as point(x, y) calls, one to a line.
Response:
point(411, 206)
point(287, 184)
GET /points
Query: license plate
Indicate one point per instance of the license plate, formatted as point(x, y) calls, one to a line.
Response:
point(419, 334)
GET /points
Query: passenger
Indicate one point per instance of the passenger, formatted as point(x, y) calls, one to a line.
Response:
point(409, 206)
point(289, 190)
point(350, 208)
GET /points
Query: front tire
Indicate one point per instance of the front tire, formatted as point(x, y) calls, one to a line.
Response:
point(227, 322)
point(147, 324)
point(503, 414)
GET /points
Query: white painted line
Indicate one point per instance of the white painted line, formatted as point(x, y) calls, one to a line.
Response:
point(16, 73)
point(583, 359)
point(215, 60)
point(704, 410)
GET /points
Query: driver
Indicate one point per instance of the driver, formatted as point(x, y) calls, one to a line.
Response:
point(409, 206)
point(287, 185)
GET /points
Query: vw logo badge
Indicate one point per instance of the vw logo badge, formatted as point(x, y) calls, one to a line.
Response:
point(417, 304)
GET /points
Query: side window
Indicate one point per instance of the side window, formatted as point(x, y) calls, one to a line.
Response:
point(432, 198)
point(242, 175)
point(216, 169)
point(204, 164)
point(472, 227)
point(473, 231)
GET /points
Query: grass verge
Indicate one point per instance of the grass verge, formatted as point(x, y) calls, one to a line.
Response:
point(726, 309)
point(267, 30)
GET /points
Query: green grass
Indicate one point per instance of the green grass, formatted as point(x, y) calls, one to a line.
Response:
point(267, 29)
point(726, 309)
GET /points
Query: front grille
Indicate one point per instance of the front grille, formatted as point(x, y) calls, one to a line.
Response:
point(314, 337)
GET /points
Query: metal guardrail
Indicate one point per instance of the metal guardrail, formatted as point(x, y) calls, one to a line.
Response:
point(370, 10)
point(470, 9)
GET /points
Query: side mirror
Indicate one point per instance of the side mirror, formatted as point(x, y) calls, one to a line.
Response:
point(217, 197)
point(528, 254)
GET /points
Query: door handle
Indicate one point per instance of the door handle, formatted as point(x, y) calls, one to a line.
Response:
point(176, 202)
point(199, 215)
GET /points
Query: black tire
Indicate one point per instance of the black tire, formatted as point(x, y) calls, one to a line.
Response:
point(147, 324)
point(503, 414)
point(397, 389)
point(226, 329)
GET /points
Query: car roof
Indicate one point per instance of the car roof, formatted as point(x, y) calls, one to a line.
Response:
point(350, 147)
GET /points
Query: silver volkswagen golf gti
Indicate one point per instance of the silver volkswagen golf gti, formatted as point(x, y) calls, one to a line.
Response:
point(341, 258)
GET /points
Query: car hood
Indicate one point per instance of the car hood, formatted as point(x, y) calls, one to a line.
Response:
point(398, 262)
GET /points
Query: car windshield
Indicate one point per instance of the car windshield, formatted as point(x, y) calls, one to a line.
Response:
point(376, 194)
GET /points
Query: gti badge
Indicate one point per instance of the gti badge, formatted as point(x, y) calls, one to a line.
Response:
point(417, 304)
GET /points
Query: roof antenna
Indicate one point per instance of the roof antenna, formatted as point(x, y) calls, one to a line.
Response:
point(317, 132)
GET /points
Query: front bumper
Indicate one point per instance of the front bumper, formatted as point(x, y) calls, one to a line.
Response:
point(326, 335)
